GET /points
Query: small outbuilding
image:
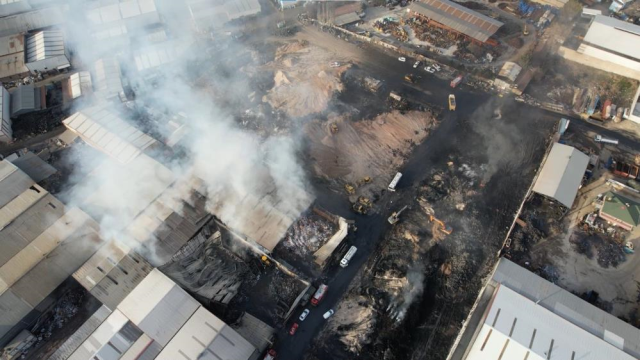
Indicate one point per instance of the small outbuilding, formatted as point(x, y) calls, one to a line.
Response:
point(562, 174)
point(620, 210)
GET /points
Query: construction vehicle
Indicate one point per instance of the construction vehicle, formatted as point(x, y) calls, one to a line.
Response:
point(410, 78)
point(350, 189)
point(395, 216)
point(265, 260)
point(452, 102)
point(362, 205)
point(364, 180)
point(525, 32)
point(334, 128)
point(442, 227)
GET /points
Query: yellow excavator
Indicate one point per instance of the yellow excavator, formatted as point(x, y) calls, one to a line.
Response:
point(441, 225)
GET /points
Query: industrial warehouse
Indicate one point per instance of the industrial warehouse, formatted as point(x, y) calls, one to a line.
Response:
point(297, 180)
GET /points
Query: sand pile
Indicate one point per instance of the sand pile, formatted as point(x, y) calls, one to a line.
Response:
point(304, 80)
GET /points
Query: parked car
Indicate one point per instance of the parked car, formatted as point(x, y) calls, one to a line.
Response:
point(293, 329)
point(304, 314)
point(429, 69)
point(402, 59)
point(328, 314)
point(415, 66)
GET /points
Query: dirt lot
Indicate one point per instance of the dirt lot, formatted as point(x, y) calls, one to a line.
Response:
point(373, 148)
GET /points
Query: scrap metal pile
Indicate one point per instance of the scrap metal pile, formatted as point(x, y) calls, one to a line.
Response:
point(308, 234)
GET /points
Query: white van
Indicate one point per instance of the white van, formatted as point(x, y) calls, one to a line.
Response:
point(347, 257)
point(599, 138)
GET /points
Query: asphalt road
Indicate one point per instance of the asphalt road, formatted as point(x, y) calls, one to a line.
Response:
point(429, 90)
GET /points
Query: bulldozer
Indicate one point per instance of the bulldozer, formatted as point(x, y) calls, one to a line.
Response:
point(362, 206)
point(265, 260)
point(364, 180)
point(447, 230)
point(334, 128)
point(395, 216)
point(350, 189)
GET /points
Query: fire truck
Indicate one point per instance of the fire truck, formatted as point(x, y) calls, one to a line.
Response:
point(317, 297)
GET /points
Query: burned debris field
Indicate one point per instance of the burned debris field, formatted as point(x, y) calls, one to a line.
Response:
point(465, 182)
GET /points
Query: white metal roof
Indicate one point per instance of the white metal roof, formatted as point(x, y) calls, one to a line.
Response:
point(44, 44)
point(107, 77)
point(119, 11)
point(206, 337)
point(615, 36)
point(216, 13)
point(562, 174)
point(80, 83)
point(568, 306)
point(515, 327)
point(159, 307)
point(107, 132)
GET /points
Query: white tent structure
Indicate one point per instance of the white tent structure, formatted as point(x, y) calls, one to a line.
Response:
point(561, 174)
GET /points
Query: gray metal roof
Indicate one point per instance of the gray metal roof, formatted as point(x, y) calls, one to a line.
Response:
point(24, 100)
point(206, 337)
point(159, 307)
point(569, 307)
point(208, 13)
point(346, 19)
point(615, 35)
point(33, 20)
point(13, 182)
point(458, 17)
point(562, 174)
point(515, 327)
point(79, 84)
point(510, 70)
point(36, 168)
point(107, 132)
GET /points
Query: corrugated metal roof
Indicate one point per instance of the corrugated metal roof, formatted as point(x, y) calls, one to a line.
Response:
point(458, 17)
point(159, 307)
point(517, 328)
point(101, 336)
point(154, 56)
point(33, 20)
point(510, 70)
point(107, 132)
point(36, 168)
point(19, 204)
point(562, 174)
point(205, 336)
point(44, 45)
point(79, 336)
point(104, 14)
point(568, 306)
point(80, 83)
point(615, 35)
point(13, 182)
point(208, 13)
point(12, 59)
point(23, 100)
point(28, 225)
point(12, 310)
point(346, 19)
point(107, 77)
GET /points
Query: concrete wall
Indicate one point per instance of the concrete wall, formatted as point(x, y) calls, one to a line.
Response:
point(6, 134)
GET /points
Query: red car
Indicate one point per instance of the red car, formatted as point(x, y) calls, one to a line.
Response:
point(294, 327)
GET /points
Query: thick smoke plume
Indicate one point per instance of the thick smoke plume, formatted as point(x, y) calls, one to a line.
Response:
point(233, 164)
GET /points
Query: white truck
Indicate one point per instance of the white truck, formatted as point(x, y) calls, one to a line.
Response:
point(348, 256)
point(394, 182)
point(600, 138)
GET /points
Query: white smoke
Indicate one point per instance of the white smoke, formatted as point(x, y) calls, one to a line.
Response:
point(233, 164)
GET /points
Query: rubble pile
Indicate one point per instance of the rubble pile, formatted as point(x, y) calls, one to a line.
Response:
point(354, 322)
point(209, 271)
point(304, 79)
point(308, 234)
point(607, 252)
